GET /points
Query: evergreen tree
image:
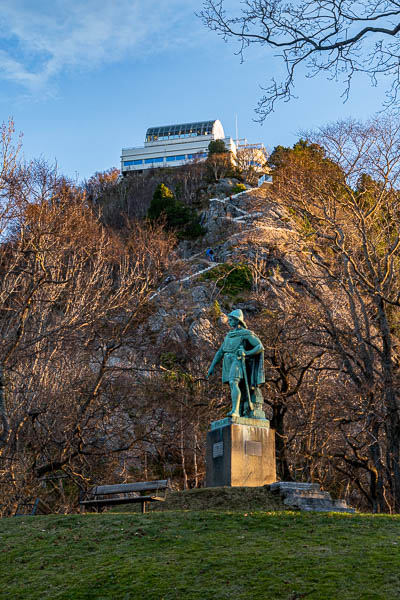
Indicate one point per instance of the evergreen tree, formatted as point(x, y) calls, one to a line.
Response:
point(216, 147)
point(178, 215)
point(162, 203)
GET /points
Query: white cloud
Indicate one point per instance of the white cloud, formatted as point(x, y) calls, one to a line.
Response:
point(41, 39)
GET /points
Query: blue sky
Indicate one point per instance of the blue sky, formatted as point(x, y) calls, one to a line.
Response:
point(85, 78)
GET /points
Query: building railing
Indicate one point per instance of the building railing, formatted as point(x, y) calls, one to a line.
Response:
point(133, 148)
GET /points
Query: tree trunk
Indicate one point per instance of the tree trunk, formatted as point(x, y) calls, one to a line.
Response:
point(392, 411)
point(378, 501)
point(3, 413)
point(277, 423)
point(195, 467)
point(182, 453)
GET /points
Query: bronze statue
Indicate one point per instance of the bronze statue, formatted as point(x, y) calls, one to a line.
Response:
point(243, 368)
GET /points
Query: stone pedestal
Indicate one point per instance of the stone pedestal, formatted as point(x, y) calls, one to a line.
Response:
point(240, 452)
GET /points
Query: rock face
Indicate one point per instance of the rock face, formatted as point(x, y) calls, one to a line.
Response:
point(243, 228)
point(201, 330)
point(182, 307)
point(223, 187)
point(227, 216)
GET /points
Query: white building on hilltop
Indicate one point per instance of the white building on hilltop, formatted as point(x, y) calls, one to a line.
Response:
point(174, 146)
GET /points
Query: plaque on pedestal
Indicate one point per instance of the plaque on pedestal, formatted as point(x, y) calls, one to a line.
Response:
point(240, 452)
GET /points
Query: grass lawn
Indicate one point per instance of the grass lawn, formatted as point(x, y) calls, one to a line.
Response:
point(200, 555)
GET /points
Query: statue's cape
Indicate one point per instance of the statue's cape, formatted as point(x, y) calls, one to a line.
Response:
point(256, 364)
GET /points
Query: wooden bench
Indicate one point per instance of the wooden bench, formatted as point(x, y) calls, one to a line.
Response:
point(125, 493)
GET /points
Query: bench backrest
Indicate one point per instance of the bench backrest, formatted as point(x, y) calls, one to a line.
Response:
point(123, 488)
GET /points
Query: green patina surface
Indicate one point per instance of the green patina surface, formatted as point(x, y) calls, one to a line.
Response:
point(201, 555)
point(240, 421)
point(242, 356)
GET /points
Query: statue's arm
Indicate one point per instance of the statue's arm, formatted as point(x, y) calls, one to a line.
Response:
point(256, 343)
point(217, 358)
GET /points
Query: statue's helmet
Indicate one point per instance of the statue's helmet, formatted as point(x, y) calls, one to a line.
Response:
point(238, 315)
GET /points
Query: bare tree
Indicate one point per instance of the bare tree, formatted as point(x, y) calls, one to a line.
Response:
point(337, 37)
point(290, 361)
point(346, 203)
point(9, 149)
point(251, 160)
point(219, 164)
point(72, 294)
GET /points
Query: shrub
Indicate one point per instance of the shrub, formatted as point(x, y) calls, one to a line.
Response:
point(192, 230)
point(215, 310)
point(239, 187)
point(231, 279)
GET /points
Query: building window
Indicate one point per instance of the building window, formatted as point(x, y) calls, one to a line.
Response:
point(149, 161)
point(127, 163)
point(176, 157)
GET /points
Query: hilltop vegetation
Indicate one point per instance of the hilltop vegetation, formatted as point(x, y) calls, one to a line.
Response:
point(109, 322)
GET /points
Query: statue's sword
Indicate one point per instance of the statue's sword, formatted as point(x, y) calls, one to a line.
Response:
point(243, 359)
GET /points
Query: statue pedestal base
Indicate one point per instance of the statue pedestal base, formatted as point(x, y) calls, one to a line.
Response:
point(240, 452)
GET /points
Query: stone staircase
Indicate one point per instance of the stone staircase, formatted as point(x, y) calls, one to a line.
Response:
point(308, 497)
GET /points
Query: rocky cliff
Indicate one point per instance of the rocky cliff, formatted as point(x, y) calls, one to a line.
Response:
point(245, 229)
